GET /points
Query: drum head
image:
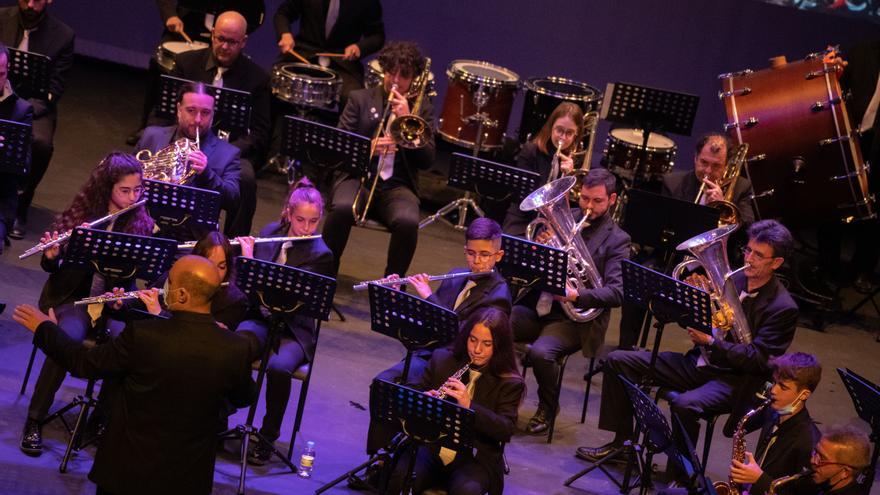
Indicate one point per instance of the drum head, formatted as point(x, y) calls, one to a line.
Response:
point(635, 136)
point(560, 87)
point(476, 71)
point(177, 47)
point(308, 72)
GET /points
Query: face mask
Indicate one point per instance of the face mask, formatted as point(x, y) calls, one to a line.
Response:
point(789, 409)
point(166, 288)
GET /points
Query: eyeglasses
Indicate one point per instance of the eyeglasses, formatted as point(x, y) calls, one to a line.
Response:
point(479, 254)
point(231, 43)
point(746, 251)
point(817, 460)
point(564, 132)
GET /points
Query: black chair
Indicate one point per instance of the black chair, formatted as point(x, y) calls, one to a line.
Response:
point(710, 419)
point(561, 362)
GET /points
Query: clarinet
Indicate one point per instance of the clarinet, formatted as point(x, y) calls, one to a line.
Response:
point(441, 394)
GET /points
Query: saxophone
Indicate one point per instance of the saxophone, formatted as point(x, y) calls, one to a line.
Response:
point(739, 444)
point(775, 484)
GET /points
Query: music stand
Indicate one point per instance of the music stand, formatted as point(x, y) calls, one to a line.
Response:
point(284, 291)
point(29, 73)
point(530, 265)
point(651, 110)
point(232, 107)
point(424, 419)
point(486, 178)
point(110, 254)
point(866, 400)
point(327, 147)
point(182, 212)
point(15, 149)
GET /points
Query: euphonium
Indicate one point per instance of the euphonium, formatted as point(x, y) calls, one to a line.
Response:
point(710, 251)
point(739, 444)
point(171, 163)
point(551, 202)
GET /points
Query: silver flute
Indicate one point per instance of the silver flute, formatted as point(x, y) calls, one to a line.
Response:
point(441, 392)
point(132, 294)
point(259, 240)
point(388, 282)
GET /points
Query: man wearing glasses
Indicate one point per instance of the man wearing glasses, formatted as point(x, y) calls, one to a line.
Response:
point(224, 65)
point(539, 318)
point(841, 455)
point(718, 374)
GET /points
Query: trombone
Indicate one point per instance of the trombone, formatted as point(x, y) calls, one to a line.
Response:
point(727, 183)
point(407, 131)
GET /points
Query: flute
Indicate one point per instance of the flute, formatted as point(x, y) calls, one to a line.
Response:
point(133, 294)
point(39, 248)
point(258, 240)
point(387, 282)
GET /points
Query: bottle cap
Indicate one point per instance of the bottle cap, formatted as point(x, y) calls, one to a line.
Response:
point(310, 443)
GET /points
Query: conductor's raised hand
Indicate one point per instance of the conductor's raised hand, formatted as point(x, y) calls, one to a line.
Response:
point(30, 317)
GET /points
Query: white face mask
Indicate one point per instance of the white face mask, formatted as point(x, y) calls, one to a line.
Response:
point(789, 409)
point(166, 288)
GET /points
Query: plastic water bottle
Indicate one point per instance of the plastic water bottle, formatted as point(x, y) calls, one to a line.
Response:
point(307, 460)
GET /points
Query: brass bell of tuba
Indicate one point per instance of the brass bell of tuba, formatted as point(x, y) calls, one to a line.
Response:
point(171, 163)
point(551, 202)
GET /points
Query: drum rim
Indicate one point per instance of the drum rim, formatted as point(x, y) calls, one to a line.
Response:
point(465, 143)
point(281, 69)
point(196, 45)
point(455, 73)
point(672, 148)
point(530, 86)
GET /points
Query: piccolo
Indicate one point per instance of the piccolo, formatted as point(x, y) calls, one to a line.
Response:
point(387, 282)
point(119, 297)
point(258, 240)
point(39, 248)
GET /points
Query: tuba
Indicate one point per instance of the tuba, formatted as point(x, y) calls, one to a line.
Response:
point(709, 250)
point(551, 202)
point(171, 163)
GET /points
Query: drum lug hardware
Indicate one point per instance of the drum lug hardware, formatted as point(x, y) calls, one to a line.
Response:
point(851, 175)
point(728, 75)
point(751, 122)
point(736, 92)
point(822, 105)
point(826, 142)
point(757, 158)
point(821, 72)
point(763, 194)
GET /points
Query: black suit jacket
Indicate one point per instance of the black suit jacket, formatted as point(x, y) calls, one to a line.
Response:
point(683, 185)
point(491, 290)
point(223, 172)
point(175, 374)
point(359, 22)
point(361, 115)
point(313, 256)
point(789, 453)
point(495, 404)
point(52, 38)
point(532, 159)
point(16, 109)
point(860, 78)
point(245, 75)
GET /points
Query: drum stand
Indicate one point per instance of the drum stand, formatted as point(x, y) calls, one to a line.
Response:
point(463, 203)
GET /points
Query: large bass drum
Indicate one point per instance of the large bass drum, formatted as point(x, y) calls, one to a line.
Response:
point(477, 87)
point(544, 94)
point(306, 85)
point(804, 158)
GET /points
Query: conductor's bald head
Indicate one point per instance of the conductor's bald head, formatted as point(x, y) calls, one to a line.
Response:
point(192, 282)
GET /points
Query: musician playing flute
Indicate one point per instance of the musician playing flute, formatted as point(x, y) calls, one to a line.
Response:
point(492, 387)
point(540, 319)
point(116, 183)
point(719, 374)
point(300, 217)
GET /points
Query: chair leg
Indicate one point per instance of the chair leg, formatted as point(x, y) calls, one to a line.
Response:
point(707, 440)
point(552, 428)
point(589, 379)
point(338, 313)
point(300, 406)
point(27, 373)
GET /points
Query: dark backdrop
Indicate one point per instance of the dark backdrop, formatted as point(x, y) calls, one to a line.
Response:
point(678, 45)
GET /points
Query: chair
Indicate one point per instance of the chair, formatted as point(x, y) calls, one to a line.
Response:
point(710, 418)
point(592, 371)
point(304, 374)
point(561, 362)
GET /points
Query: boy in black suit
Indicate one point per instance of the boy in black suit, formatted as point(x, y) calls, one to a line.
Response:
point(17, 110)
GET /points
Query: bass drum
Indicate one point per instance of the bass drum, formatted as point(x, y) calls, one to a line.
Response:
point(477, 87)
point(623, 148)
point(168, 51)
point(544, 94)
point(375, 74)
point(804, 161)
point(306, 85)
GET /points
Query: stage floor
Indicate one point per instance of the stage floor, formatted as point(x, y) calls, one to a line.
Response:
point(99, 109)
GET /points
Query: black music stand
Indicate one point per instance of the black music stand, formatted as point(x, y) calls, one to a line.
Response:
point(866, 400)
point(15, 149)
point(182, 212)
point(425, 420)
point(530, 265)
point(284, 291)
point(326, 147)
point(486, 178)
point(109, 254)
point(651, 110)
point(29, 73)
point(232, 107)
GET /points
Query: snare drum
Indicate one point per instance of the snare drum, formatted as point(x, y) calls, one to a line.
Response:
point(544, 94)
point(169, 50)
point(804, 161)
point(624, 146)
point(477, 87)
point(305, 84)
point(375, 74)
